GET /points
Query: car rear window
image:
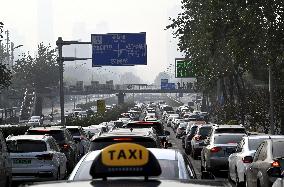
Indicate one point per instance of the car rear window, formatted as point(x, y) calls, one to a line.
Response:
point(254, 143)
point(228, 139)
point(204, 131)
point(193, 129)
point(230, 130)
point(156, 125)
point(278, 149)
point(101, 143)
point(56, 134)
point(74, 132)
point(24, 146)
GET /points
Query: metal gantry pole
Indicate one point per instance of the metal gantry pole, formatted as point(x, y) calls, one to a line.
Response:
point(59, 44)
point(271, 100)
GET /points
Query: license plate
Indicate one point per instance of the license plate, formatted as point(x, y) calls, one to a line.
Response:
point(22, 161)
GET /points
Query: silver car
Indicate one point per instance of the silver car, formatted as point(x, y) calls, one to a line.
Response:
point(174, 165)
point(218, 147)
point(36, 158)
point(239, 161)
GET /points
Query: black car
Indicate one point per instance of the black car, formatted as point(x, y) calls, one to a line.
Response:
point(146, 137)
point(64, 139)
point(188, 137)
point(157, 125)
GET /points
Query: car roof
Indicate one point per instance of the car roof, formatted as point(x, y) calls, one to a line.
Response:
point(27, 137)
point(161, 154)
point(47, 128)
point(73, 127)
point(228, 126)
point(230, 134)
point(265, 136)
point(141, 182)
point(123, 134)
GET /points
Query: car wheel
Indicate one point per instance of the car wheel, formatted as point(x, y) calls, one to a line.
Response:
point(58, 174)
point(229, 177)
point(8, 182)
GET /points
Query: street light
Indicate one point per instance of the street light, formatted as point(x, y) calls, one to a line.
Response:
point(12, 52)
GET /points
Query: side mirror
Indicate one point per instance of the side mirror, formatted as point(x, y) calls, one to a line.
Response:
point(167, 133)
point(274, 172)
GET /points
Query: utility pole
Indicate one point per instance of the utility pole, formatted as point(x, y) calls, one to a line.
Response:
point(7, 48)
point(59, 44)
point(271, 100)
point(60, 61)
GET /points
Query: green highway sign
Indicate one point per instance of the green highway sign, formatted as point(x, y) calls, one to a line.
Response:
point(183, 68)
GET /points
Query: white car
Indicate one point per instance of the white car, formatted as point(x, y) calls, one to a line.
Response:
point(240, 160)
point(36, 158)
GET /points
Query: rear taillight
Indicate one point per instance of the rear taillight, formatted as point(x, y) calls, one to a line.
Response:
point(247, 159)
point(275, 164)
point(215, 149)
point(45, 157)
point(66, 146)
point(197, 137)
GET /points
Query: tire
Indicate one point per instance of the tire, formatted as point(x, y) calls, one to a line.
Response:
point(8, 182)
point(193, 154)
point(58, 174)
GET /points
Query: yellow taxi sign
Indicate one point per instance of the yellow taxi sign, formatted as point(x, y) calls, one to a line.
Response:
point(125, 154)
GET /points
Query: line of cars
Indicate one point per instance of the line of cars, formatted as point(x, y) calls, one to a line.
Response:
point(251, 159)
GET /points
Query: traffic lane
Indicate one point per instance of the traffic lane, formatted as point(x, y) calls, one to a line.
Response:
point(177, 145)
point(195, 163)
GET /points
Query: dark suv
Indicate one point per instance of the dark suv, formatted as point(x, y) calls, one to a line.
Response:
point(64, 139)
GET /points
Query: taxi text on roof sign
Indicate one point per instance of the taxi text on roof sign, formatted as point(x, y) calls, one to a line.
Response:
point(125, 154)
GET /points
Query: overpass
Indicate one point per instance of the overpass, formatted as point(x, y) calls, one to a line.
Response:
point(128, 91)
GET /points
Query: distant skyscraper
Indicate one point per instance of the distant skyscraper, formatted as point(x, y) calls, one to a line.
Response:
point(45, 22)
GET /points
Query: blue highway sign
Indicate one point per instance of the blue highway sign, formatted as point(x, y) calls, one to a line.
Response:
point(119, 49)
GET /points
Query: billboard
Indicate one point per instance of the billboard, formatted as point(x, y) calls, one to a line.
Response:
point(119, 49)
point(183, 68)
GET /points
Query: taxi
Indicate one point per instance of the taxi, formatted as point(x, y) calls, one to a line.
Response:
point(128, 164)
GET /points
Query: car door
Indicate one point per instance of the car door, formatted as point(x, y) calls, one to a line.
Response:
point(254, 167)
point(61, 157)
point(233, 158)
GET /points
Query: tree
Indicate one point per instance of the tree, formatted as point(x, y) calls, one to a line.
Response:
point(5, 73)
point(226, 39)
point(39, 73)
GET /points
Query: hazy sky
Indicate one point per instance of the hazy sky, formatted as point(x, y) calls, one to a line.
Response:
point(33, 21)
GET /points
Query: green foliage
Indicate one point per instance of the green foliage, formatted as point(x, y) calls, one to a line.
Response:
point(5, 73)
point(99, 118)
point(14, 130)
point(5, 76)
point(37, 72)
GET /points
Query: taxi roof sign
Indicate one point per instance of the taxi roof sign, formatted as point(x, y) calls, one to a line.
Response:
point(123, 160)
point(125, 154)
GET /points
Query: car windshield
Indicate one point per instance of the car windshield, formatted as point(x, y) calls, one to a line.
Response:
point(25, 146)
point(56, 134)
point(228, 139)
